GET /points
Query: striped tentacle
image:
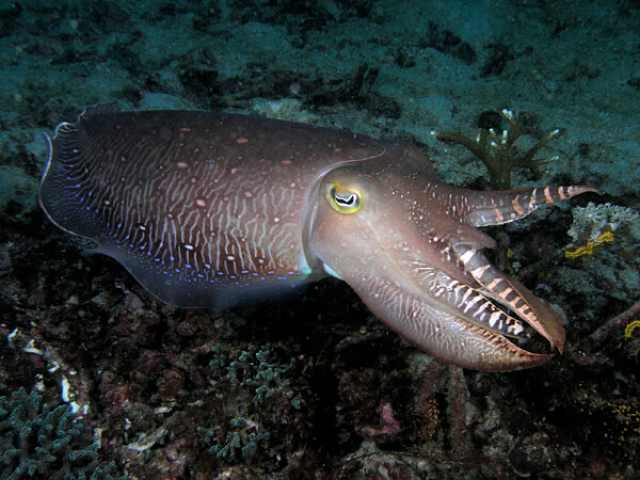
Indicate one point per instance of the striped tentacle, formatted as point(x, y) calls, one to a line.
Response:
point(472, 303)
point(496, 208)
point(501, 288)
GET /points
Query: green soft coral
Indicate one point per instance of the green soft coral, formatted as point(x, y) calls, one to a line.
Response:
point(38, 440)
point(496, 146)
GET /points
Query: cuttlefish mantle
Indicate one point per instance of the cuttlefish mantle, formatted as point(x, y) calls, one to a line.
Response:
point(212, 210)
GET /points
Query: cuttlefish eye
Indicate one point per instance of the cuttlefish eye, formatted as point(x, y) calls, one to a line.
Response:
point(344, 200)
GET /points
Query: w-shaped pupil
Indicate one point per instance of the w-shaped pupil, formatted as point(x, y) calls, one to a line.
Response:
point(346, 199)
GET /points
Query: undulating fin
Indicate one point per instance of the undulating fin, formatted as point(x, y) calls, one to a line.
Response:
point(60, 195)
point(187, 289)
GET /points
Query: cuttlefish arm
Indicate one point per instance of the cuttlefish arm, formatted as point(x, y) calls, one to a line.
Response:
point(482, 209)
point(496, 208)
point(412, 253)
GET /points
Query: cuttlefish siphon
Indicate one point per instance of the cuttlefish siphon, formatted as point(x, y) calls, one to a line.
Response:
point(214, 210)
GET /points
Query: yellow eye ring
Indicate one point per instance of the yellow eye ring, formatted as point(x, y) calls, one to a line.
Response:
point(343, 200)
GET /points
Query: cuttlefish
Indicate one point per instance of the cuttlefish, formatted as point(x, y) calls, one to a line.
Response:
point(214, 210)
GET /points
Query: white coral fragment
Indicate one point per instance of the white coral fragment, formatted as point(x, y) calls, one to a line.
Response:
point(593, 220)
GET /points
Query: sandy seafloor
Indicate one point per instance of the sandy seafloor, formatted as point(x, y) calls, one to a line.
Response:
point(313, 386)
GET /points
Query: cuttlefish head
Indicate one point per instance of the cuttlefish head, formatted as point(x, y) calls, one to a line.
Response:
point(411, 250)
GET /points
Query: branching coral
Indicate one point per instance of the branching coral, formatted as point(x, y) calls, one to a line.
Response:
point(260, 383)
point(496, 146)
point(257, 371)
point(46, 441)
point(241, 442)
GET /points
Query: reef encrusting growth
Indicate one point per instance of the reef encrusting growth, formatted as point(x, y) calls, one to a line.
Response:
point(38, 440)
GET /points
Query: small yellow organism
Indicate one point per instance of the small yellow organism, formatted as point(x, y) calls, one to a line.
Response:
point(605, 237)
point(631, 326)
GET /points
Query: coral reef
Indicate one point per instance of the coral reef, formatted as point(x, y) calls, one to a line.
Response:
point(594, 221)
point(495, 145)
point(38, 440)
point(240, 444)
point(588, 248)
point(605, 240)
